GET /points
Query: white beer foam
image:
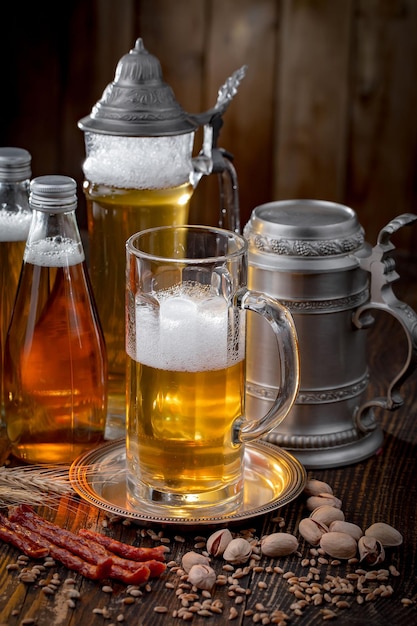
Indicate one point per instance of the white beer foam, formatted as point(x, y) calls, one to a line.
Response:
point(54, 252)
point(14, 226)
point(138, 162)
point(186, 333)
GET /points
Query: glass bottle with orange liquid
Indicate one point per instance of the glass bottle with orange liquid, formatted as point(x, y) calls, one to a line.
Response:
point(55, 375)
point(15, 217)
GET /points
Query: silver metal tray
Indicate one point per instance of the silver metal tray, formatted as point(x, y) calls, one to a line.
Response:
point(272, 478)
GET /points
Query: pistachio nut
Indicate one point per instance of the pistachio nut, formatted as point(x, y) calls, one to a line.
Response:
point(312, 530)
point(339, 545)
point(193, 558)
point(313, 502)
point(346, 527)
point(278, 544)
point(238, 550)
point(371, 550)
point(326, 514)
point(202, 576)
point(218, 541)
point(386, 534)
point(314, 487)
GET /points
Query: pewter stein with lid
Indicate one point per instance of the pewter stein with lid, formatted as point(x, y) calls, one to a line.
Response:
point(139, 173)
point(312, 256)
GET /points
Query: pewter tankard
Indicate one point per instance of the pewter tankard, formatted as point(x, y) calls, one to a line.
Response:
point(312, 256)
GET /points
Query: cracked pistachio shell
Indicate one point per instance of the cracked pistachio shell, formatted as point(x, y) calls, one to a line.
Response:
point(316, 487)
point(326, 514)
point(386, 534)
point(313, 502)
point(346, 527)
point(339, 545)
point(371, 550)
point(193, 558)
point(278, 544)
point(312, 530)
point(237, 551)
point(218, 541)
point(202, 576)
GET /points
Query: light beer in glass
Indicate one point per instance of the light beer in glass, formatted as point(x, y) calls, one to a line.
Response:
point(186, 381)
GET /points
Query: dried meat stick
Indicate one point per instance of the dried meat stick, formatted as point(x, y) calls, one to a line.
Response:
point(62, 537)
point(125, 550)
point(130, 572)
point(138, 576)
point(156, 568)
point(22, 541)
point(71, 561)
point(133, 572)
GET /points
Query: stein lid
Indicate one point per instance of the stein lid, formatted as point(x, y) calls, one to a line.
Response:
point(138, 103)
point(304, 228)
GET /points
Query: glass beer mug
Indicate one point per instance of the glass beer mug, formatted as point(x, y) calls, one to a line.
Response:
point(186, 303)
point(139, 173)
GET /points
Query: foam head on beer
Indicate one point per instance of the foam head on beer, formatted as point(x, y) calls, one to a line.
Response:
point(54, 252)
point(139, 162)
point(186, 330)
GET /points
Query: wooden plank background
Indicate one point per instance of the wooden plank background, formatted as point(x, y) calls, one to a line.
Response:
point(327, 109)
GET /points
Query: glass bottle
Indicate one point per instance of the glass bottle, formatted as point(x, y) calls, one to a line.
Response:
point(55, 357)
point(15, 217)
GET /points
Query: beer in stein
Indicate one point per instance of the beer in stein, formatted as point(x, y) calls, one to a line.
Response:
point(140, 173)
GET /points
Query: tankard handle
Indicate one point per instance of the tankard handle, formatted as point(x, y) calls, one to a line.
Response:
point(215, 160)
point(382, 269)
point(228, 193)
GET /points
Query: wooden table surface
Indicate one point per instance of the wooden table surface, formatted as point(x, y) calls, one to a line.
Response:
point(381, 488)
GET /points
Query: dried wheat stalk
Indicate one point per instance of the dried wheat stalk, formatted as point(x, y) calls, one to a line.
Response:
point(42, 485)
point(33, 485)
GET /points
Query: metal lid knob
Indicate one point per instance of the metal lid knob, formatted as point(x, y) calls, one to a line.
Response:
point(138, 103)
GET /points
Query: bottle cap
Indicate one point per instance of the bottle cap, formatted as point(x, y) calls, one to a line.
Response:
point(15, 165)
point(138, 103)
point(53, 194)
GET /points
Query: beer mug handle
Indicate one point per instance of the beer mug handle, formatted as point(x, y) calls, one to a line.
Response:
point(283, 327)
point(382, 269)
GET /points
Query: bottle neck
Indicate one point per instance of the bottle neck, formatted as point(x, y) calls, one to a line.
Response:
point(14, 196)
point(54, 239)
